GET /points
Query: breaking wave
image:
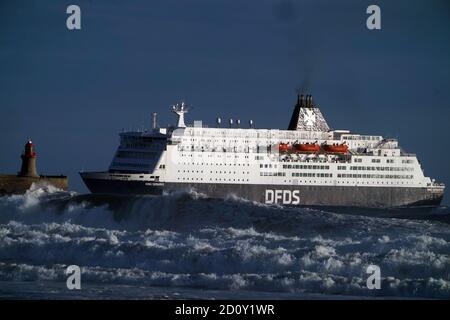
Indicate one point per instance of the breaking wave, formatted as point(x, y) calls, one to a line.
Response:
point(187, 240)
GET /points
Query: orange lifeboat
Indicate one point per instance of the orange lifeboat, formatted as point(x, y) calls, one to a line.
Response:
point(335, 148)
point(306, 147)
point(283, 147)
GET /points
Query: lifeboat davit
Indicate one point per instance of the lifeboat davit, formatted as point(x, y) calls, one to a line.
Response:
point(306, 147)
point(283, 147)
point(335, 148)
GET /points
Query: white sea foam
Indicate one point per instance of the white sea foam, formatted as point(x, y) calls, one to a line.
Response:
point(188, 240)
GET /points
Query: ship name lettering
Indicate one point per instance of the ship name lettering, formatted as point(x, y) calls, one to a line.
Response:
point(282, 196)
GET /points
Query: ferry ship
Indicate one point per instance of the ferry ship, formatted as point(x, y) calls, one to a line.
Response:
point(308, 164)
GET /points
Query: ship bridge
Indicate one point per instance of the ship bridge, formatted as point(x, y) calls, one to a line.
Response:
point(139, 151)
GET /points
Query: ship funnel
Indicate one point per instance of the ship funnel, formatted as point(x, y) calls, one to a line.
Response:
point(250, 123)
point(231, 123)
point(307, 101)
point(310, 101)
point(301, 100)
point(306, 116)
point(218, 121)
point(28, 168)
point(238, 123)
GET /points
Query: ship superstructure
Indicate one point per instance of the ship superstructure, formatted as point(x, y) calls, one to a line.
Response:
point(307, 164)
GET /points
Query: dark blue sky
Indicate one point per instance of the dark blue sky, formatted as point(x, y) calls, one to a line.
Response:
point(73, 91)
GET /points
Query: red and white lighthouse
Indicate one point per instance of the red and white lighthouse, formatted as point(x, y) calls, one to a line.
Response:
point(28, 161)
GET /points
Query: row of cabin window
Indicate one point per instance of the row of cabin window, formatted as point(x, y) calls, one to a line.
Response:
point(267, 165)
point(361, 138)
point(211, 156)
point(214, 164)
point(351, 182)
point(312, 174)
point(272, 174)
point(219, 172)
point(379, 168)
point(213, 179)
point(376, 176)
point(387, 160)
point(305, 166)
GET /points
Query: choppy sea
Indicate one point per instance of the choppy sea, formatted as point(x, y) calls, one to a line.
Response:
point(185, 245)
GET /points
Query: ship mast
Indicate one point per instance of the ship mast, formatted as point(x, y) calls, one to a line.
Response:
point(180, 110)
